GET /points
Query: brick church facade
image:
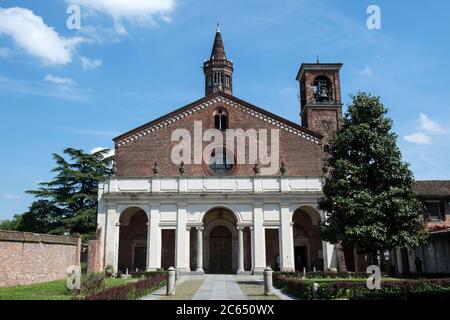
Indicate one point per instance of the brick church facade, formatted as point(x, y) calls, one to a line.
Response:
point(210, 212)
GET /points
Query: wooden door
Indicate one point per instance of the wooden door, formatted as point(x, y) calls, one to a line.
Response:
point(140, 258)
point(220, 251)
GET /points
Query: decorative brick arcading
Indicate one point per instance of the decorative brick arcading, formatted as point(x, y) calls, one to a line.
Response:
point(195, 109)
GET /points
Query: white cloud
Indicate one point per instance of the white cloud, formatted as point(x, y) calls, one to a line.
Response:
point(31, 34)
point(137, 11)
point(418, 138)
point(44, 89)
point(11, 197)
point(429, 125)
point(107, 155)
point(367, 71)
point(65, 82)
point(4, 52)
point(89, 64)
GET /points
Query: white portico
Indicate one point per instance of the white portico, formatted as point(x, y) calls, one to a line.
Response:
point(212, 224)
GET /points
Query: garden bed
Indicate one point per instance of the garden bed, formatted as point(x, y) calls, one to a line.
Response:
point(132, 290)
point(355, 288)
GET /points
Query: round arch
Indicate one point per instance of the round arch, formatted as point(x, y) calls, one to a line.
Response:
point(314, 214)
point(125, 212)
point(133, 233)
point(306, 238)
point(220, 255)
point(211, 208)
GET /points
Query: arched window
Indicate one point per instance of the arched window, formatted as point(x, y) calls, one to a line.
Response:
point(323, 91)
point(221, 119)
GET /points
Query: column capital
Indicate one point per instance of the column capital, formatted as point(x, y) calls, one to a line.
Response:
point(240, 228)
point(201, 228)
point(285, 204)
point(258, 204)
point(118, 224)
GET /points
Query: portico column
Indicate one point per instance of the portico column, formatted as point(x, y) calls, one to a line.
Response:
point(259, 239)
point(286, 239)
point(241, 249)
point(188, 248)
point(148, 244)
point(116, 245)
point(154, 239)
point(182, 242)
point(252, 246)
point(329, 256)
point(110, 234)
point(200, 250)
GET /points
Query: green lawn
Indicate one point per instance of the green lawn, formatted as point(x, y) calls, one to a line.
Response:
point(55, 290)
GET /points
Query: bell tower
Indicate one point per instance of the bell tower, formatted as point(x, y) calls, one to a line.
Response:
point(218, 69)
point(320, 97)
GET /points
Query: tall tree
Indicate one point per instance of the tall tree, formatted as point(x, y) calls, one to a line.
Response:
point(368, 193)
point(68, 203)
point(11, 224)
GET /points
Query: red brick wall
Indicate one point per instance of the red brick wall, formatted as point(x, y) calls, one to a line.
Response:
point(302, 157)
point(29, 258)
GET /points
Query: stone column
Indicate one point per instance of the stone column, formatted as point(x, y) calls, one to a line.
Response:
point(110, 230)
point(259, 239)
point(252, 246)
point(200, 250)
point(188, 246)
point(286, 239)
point(116, 245)
point(154, 239)
point(241, 250)
point(148, 244)
point(329, 255)
point(182, 241)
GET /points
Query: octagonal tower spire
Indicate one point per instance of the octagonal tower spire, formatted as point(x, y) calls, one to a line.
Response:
point(218, 69)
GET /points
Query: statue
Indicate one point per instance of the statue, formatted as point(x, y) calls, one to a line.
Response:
point(156, 169)
point(283, 168)
point(182, 170)
point(256, 169)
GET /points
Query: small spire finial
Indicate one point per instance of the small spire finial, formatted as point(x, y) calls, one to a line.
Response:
point(218, 27)
point(318, 60)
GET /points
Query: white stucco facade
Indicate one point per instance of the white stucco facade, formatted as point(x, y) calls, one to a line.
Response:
point(181, 204)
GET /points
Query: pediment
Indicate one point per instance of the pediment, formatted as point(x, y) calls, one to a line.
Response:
point(210, 101)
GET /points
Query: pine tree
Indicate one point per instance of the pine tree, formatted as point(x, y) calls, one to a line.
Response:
point(68, 203)
point(368, 193)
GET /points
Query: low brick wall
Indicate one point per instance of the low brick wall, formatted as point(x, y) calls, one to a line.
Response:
point(27, 258)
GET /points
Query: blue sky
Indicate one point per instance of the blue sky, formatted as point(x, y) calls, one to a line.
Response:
point(133, 61)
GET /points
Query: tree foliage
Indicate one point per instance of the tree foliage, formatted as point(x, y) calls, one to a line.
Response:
point(368, 193)
point(68, 203)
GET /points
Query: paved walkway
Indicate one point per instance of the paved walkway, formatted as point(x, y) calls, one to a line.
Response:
point(219, 287)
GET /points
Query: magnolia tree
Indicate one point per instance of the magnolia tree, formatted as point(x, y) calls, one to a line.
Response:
point(368, 193)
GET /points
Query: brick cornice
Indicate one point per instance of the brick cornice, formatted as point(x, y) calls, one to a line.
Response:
point(209, 101)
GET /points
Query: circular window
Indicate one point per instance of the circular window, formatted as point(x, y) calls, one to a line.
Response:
point(221, 161)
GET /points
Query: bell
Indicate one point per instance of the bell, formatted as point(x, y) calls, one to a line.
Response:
point(323, 93)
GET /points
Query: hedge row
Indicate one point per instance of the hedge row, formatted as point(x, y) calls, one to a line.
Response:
point(411, 275)
point(303, 289)
point(326, 275)
point(131, 291)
